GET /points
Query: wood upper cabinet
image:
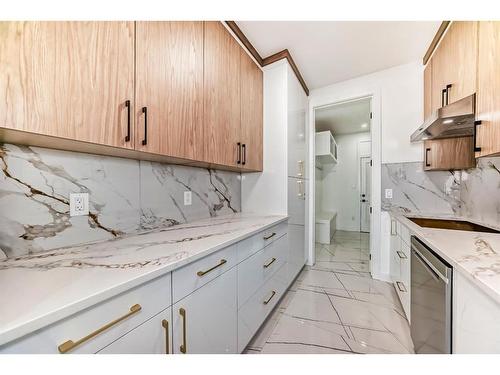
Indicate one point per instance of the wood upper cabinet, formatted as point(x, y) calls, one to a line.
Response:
point(449, 154)
point(428, 90)
point(169, 84)
point(222, 106)
point(488, 91)
point(68, 79)
point(454, 63)
point(251, 113)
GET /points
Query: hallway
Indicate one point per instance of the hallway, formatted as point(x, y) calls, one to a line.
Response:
point(336, 307)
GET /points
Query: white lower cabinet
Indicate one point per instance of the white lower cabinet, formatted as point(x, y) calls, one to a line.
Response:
point(151, 337)
point(400, 263)
point(205, 322)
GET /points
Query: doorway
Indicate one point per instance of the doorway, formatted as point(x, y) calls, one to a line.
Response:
point(343, 181)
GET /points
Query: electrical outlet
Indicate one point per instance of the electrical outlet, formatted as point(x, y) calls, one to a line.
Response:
point(388, 193)
point(78, 204)
point(188, 198)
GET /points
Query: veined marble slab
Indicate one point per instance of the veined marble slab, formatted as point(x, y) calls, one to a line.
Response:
point(125, 196)
point(475, 255)
point(40, 289)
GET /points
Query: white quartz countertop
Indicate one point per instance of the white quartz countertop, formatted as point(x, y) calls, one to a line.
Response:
point(42, 288)
point(476, 255)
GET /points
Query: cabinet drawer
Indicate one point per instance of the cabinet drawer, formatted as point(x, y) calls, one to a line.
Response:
point(250, 246)
point(151, 337)
point(403, 291)
point(256, 270)
point(152, 298)
point(194, 275)
point(253, 313)
point(405, 234)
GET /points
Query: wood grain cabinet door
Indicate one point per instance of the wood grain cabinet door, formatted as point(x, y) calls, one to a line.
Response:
point(454, 63)
point(251, 113)
point(68, 79)
point(221, 96)
point(428, 90)
point(488, 91)
point(169, 84)
point(449, 154)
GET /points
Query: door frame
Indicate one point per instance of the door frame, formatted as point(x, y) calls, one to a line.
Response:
point(361, 158)
point(323, 98)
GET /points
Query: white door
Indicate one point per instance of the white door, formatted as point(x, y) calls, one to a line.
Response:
point(365, 189)
point(151, 337)
point(205, 322)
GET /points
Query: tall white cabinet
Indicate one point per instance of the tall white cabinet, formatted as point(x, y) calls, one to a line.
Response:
point(282, 187)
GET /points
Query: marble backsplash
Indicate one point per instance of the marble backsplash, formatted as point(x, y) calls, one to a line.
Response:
point(126, 196)
point(472, 193)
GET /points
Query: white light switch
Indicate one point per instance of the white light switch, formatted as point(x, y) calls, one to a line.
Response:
point(388, 193)
point(188, 198)
point(78, 204)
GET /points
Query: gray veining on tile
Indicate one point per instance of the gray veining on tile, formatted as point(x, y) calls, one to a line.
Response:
point(126, 196)
point(336, 309)
point(472, 193)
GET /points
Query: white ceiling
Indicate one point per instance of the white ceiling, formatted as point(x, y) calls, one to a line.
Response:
point(346, 118)
point(332, 51)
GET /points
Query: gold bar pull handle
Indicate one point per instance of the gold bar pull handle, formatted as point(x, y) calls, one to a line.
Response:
point(270, 298)
point(401, 255)
point(164, 324)
point(269, 236)
point(183, 347)
point(70, 344)
point(221, 263)
point(270, 262)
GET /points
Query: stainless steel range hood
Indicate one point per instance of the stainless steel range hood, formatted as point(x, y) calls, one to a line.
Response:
point(451, 121)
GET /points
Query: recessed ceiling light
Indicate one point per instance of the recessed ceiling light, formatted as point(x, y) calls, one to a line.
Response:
point(365, 125)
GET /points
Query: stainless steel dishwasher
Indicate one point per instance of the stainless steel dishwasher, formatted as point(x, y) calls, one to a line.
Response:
point(431, 300)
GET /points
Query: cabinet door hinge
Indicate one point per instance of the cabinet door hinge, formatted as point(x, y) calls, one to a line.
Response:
point(371, 163)
point(370, 210)
point(371, 114)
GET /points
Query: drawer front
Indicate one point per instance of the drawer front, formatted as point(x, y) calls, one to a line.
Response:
point(87, 325)
point(151, 337)
point(253, 313)
point(256, 270)
point(403, 291)
point(194, 275)
point(405, 234)
point(251, 245)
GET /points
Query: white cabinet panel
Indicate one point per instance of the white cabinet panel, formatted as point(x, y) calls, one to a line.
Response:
point(152, 297)
point(196, 274)
point(296, 201)
point(297, 249)
point(151, 337)
point(476, 323)
point(209, 324)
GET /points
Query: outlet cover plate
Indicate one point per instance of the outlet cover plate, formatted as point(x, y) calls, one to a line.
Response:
point(188, 198)
point(388, 193)
point(78, 204)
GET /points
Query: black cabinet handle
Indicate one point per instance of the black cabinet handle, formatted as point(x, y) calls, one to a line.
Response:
point(448, 87)
point(427, 164)
point(244, 146)
point(127, 104)
point(442, 97)
point(239, 153)
point(476, 123)
point(145, 140)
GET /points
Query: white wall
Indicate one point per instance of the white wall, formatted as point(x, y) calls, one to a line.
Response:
point(266, 192)
point(340, 182)
point(401, 90)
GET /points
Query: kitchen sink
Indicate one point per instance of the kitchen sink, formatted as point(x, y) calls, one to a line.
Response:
point(451, 224)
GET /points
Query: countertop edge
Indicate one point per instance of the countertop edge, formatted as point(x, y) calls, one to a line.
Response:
point(17, 332)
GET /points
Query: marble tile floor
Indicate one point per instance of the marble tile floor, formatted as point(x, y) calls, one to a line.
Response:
point(335, 307)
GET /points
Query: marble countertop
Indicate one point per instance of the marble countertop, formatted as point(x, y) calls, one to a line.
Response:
point(42, 288)
point(475, 255)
